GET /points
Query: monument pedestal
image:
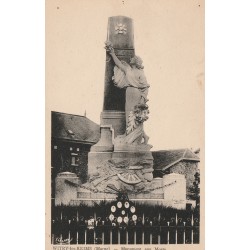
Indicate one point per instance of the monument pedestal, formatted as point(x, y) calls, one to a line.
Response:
point(65, 192)
point(95, 159)
point(142, 158)
point(105, 144)
point(116, 119)
point(121, 160)
point(175, 190)
point(157, 193)
point(102, 150)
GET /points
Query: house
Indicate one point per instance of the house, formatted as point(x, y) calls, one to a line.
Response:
point(71, 139)
point(181, 161)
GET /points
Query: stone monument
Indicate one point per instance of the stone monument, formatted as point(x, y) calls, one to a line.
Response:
point(122, 156)
point(121, 35)
point(121, 161)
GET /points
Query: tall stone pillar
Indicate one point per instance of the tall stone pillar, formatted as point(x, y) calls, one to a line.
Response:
point(121, 34)
point(113, 121)
point(129, 150)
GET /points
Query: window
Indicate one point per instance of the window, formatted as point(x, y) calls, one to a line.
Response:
point(74, 159)
point(55, 146)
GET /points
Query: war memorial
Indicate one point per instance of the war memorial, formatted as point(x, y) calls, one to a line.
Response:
point(121, 187)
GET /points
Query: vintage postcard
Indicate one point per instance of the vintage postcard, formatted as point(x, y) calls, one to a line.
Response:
point(124, 124)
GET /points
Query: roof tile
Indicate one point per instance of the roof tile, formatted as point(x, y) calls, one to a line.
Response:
point(81, 128)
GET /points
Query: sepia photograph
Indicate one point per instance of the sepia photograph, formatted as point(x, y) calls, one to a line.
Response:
point(124, 123)
point(114, 94)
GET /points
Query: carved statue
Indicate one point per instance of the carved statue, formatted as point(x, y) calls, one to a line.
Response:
point(130, 167)
point(133, 79)
point(130, 77)
point(135, 134)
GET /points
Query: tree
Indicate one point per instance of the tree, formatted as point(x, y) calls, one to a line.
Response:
point(196, 188)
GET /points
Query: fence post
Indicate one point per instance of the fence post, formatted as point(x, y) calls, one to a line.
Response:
point(102, 238)
point(143, 228)
point(60, 236)
point(176, 231)
point(192, 226)
point(77, 220)
point(168, 233)
point(184, 234)
point(85, 236)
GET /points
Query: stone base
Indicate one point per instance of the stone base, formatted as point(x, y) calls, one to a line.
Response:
point(116, 119)
point(95, 159)
point(84, 194)
point(144, 201)
point(168, 191)
point(156, 184)
point(121, 147)
point(105, 144)
point(175, 187)
point(66, 192)
point(139, 156)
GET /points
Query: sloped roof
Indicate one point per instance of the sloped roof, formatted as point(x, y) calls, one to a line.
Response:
point(74, 128)
point(164, 159)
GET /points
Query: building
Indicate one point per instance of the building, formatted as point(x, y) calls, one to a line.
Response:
point(180, 161)
point(71, 139)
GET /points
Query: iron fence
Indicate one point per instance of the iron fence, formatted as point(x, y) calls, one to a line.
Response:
point(146, 231)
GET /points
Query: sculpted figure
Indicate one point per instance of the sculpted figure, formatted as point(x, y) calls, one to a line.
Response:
point(130, 76)
point(135, 133)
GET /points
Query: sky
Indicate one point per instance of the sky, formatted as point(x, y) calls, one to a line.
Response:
point(168, 36)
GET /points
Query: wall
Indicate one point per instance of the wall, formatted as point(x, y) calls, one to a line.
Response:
point(61, 159)
point(187, 168)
